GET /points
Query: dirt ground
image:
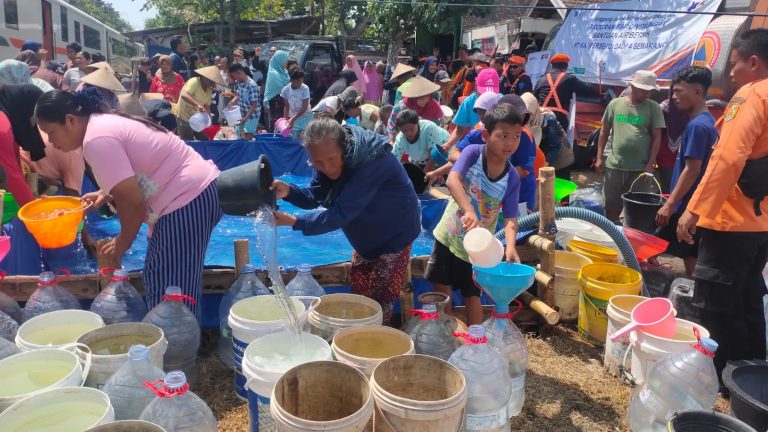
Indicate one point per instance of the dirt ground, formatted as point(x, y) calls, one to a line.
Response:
point(567, 389)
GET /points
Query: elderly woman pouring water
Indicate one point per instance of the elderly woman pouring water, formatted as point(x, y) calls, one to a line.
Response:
point(151, 176)
point(364, 191)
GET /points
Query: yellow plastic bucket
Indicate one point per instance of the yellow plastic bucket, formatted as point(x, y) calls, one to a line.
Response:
point(599, 283)
point(595, 252)
point(53, 221)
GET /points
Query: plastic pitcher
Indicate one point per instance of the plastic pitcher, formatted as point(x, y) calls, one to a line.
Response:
point(483, 248)
point(199, 121)
point(654, 316)
point(53, 221)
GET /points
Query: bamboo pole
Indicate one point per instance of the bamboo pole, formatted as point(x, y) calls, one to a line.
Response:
point(550, 315)
point(547, 229)
point(242, 255)
point(31, 179)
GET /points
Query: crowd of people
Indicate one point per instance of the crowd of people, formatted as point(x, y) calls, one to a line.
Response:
point(477, 124)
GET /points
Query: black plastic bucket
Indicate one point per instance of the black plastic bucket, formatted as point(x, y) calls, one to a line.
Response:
point(416, 175)
point(748, 382)
point(640, 210)
point(705, 421)
point(246, 188)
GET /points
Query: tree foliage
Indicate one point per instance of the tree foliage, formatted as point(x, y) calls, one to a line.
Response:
point(104, 12)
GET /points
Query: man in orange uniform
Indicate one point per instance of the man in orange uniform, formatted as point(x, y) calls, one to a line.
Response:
point(733, 224)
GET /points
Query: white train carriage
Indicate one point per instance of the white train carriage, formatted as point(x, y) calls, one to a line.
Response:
point(56, 23)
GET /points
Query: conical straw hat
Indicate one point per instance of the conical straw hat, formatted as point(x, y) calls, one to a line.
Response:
point(401, 69)
point(212, 73)
point(104, 78)
point(95, 66)
point(130, 104)
point(419, 87)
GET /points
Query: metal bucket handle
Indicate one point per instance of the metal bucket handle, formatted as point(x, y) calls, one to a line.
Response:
point(315, 302)
point(646, 174)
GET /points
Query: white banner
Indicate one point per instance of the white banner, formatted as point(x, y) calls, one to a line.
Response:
point(537, 65)
point(609, 46)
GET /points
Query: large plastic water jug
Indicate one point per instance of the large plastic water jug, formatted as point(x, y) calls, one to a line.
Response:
point(246, 285)
point(590, 199)
point(119, 302)
point(181, 331)
point(304, 285)
point(10, 307)
point(681, 381)
point(488, 383)
point(432, 336)
point(8, 348)
point(49, 297)
point(504, 335)
point(8, 327)
point(178, 409)
point(126, 388)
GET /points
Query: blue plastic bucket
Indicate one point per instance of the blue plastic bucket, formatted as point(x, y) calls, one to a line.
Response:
point(438, 155)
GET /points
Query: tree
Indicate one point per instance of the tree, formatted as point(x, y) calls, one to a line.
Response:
point(396, 20)
point(104, 12)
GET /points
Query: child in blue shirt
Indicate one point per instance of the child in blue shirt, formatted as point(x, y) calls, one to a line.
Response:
point(482, 184)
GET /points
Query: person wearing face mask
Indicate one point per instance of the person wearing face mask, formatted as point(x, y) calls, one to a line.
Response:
point(515, 79)
point(419, 98)
point(365, 191)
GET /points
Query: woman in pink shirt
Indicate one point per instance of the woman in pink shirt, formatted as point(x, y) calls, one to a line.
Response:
point(151, 176)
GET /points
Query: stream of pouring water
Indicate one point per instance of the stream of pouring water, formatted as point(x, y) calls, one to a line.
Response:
point(266, 243)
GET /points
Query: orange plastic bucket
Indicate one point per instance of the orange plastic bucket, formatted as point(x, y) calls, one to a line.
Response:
point(53, 221)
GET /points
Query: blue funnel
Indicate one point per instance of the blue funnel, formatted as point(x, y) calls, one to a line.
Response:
point(504, 282)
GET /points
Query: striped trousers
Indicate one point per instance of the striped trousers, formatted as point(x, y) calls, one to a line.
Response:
point(176, 250)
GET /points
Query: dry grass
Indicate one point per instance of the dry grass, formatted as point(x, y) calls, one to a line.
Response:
point(567, 389)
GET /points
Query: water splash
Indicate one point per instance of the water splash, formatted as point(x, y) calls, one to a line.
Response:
point(266, 243)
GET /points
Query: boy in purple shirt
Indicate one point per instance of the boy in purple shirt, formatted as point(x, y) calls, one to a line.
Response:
point(482, 184)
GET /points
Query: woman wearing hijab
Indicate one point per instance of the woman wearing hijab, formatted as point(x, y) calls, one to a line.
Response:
point(36, 71)
point(360, 187)
point(549, 136)
point(374, 84)
point(16, 72)
point(419, 96)
point(166, 81)
point(430, 68)
point(353, 65)
point(277, 79)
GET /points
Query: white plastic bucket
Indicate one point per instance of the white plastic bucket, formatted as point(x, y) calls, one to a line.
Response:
point(65, 409)
point(323, 396)
point(127, 426)
point(648, 349)
point(55, 329)
point(483, 248)
point(109, 347)
point(599, 237)
point(619, 313)
point(418, 393)
point(200, 121)
point(252, 318)
point(365, 347)
point(338, 311)
point(568, 229)
point(566, 289)
point(261, 377)
point(51, 368)
point(232, 115)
